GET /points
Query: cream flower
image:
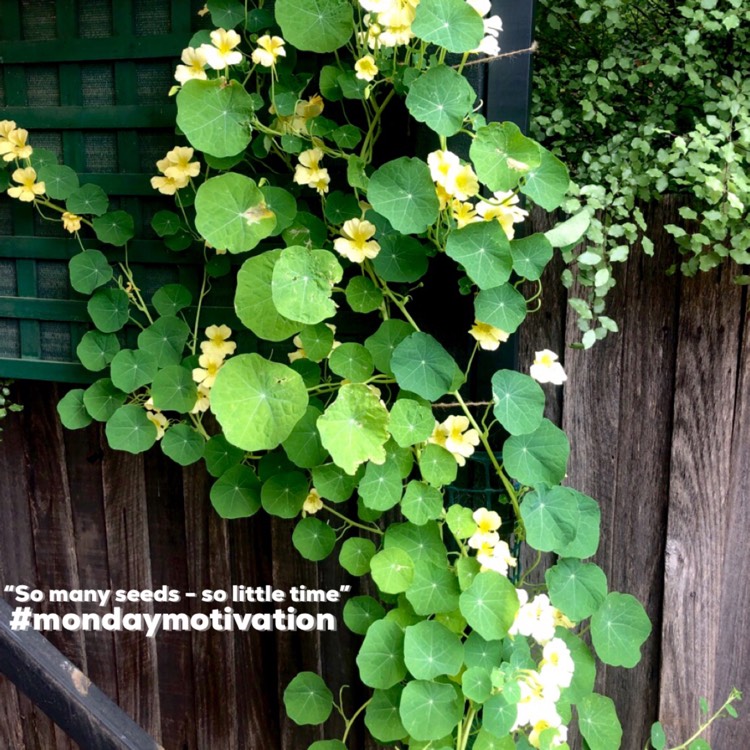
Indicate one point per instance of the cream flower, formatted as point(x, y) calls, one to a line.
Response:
point(195, 61)
point(460, 440)
point(313, 502)
point(159, 421)
point(546, 368)
point(71, 222)
point(464, 213)
point(461, 182)
point(440, 164)
point(488, 522)
point(177, 163)
point(365, 68)
point(488, 336)
point(535, 619)
point(269, 49)
point(6, 128)
point(300, 353)
point(169, 184)
point(217, 344)
point(499, 559)
point(221, 52)
point(309, 166)
point(14, 145)
point(209, 367)
point(503, 208)
point(356, 243)
point(202, 402)
point(28, 188)
point(557, 665)
point(320, 181)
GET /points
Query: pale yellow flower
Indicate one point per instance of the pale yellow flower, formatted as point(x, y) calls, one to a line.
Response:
point(546, 368)
point(365, 68)
point(195, 61)
point(177, 163)
point(485, 535)
point(159, 421)
point(169, 184)
point(440, 164)
point(217, 344)
point(269, 50)
point(463, 213)
point(503, 208)
point(71, 222)
point(14, 145)
point(6, 128)
point(460, 440)
point(488, 336)
point(461, 182)
point(300, 353)
point(309, 167)
point(209, 367)
point(356, 243)
point(221, 52)
point(313, 502)
point(202, 403)
point(320, 181)
point(28, 188)
point(499, 560)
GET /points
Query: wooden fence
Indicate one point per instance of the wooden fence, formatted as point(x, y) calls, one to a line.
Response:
point(659, 421)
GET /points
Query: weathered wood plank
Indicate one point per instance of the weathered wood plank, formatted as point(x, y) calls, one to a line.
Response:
point(130, 568)
point(705, 390)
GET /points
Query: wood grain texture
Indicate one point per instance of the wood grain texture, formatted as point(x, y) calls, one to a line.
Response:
point(700, 494)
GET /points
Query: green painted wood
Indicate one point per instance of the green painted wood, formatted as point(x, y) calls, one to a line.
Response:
point(41, 369)
point(75, 118)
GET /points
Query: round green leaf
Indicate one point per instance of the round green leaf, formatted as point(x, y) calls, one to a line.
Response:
point(313, 539)
point(380, 487)
point(401, 258)
point(303, 446)
point(59, 180)
point(231, 212)
point(598, 722)
point(354, 428)
point(166, 223)
point(489, 605)
point(422, 365)
point(362, 295)
point(411, 422)
point(42, 157)
point(236, 493)
point(502, 306)
point(173, 389)
point(257, 402)
point(132, 369)
point(72, 410)
point(102, 399)
point(355, 555)
point(254, 301)
point(502, 154)
point(215, 116)
point(433, 590)
point(307, 699)
point(531, 255)
point(452, 24)
point(481, 653)
point(351, 361)
point(586, 541)
point(476, 684)
point(499, 715)
point(419, 542)
point(547, 183)
point(87, 199)
point(381, 657)
point(315, 25)
point(441, 98)
point(430, 710)
point(183, 444)
point(221, 455)
point(382, 717)
point(302, 284)
point(402, 191)
point(437, 465)
point(165, 339)
point(484, 252)
point(130, 430)
point(519, 401)
point(618, 630)
point(284, 494)
point(550, 516)
point(226, 14)
point(317, 341)
point(360, 612)
point(171, 298)
point(114, 228)
point(333, 483)
point(421, 503)
point(487, 741)
point(109, 309)
point(577, 589)
point(96, 350)
point(539, 457)
point(392, 570)
point(383, 342)
point(89, 270)
point(431, 650)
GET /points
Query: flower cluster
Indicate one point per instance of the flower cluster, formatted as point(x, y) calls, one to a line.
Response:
point(388, 22)
point(309, 172)
point(546, 368)
point(493, 25)
point(488, 337)
point(492, 552)
point(176, 170)
point(455, 436)
point(456, 184)
point(13, 142)
point(214, 350)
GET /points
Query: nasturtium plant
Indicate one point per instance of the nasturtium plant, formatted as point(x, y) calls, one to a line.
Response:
point(325, 397)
